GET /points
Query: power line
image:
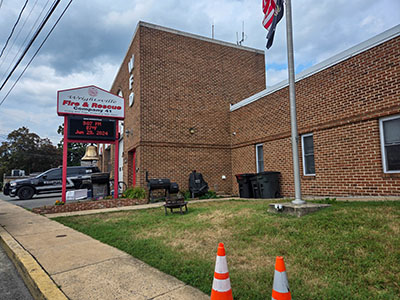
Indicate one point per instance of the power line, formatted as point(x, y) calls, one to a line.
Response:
point(19, 32)
point(15, 25)
point(37, 51)
point(23, 43)
point(31, 42)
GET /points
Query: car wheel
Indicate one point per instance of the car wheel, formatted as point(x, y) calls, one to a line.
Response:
point(25, 193)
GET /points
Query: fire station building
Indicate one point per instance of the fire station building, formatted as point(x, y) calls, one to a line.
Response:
point(196, 103)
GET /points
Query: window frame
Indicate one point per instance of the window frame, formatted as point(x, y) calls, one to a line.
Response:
point(303, 154)
point(382, 138)
point(257, 166)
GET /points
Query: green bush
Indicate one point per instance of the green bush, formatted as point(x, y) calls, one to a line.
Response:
point(186, 195)
point(209, 195)
point(135, 193)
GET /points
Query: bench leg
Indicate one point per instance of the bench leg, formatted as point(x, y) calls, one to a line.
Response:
point(165, 210)
point(180, 207)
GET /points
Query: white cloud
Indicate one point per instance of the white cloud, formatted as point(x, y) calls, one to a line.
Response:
point(35, 99)
point(275, 76)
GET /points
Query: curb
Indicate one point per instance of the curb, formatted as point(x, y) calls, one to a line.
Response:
point(40, 285)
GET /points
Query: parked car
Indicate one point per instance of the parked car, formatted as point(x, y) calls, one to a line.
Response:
point(49, 182)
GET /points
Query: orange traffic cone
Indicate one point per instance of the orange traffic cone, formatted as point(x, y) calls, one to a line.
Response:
point(221, 288)
point(280, 289)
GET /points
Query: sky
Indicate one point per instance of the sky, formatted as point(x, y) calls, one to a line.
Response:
point(90, 41)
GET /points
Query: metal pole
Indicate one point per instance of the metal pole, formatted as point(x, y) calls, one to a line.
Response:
point(292, 95)
point(116, 161)
point(64, 164)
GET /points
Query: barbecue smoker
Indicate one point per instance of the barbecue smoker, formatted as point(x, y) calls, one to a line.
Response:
point(159, 184)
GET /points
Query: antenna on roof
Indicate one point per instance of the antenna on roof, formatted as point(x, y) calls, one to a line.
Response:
point(212, 30)
point(243, 36)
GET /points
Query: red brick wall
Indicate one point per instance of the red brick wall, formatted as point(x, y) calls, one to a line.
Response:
point(341, 106)
point(180, 83)
point(176, 164)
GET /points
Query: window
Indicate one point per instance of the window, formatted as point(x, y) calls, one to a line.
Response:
point(54, 175)
point(260, 158)
point(73, 172)
point(390, 143)
point(307, 147)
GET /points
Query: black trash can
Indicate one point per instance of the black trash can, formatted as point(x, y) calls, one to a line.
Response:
point(245, 188)
point(268, 185)
point(255, 187)
point(100, 185)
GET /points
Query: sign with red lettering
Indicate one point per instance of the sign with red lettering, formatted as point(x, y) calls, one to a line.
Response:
point(82, 128)
point(90, 101)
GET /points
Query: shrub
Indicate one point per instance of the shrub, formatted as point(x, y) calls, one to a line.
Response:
point(186, 195)
point(209, 195)
point(135, 193)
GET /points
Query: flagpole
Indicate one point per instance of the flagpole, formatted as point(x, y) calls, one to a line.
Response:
point(292, 96)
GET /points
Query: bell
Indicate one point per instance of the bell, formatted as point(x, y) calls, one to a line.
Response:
point(91, 153)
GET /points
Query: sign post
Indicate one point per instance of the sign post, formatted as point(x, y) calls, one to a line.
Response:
point(116, 155)
point(90, 115)
point(64, 163)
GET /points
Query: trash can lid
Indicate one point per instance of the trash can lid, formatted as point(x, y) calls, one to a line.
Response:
point(268, 172)
point(245, 175)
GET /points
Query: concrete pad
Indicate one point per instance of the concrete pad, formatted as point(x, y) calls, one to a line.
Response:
point(181, 294)
point(31, 227)
point(72, 256)
point(297, 210)
point(53, 239)
point(126, 278)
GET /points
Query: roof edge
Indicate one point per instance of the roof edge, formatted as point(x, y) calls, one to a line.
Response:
point(199, 37)
point(170, 30)
point(344, 55)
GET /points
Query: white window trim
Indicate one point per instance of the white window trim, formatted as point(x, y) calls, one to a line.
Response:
point(258, 145)
point(385, 170)
point(303, 154)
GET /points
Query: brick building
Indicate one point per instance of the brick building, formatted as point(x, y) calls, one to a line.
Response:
point(198, 103)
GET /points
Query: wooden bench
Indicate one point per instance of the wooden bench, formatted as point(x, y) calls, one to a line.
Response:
point(172, 202)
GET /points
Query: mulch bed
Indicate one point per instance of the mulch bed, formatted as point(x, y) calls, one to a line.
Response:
point(88, 205)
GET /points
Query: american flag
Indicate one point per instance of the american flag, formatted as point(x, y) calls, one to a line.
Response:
point(273, 13)
point(268, 7)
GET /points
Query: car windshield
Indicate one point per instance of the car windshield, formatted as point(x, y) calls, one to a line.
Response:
point(41, 174)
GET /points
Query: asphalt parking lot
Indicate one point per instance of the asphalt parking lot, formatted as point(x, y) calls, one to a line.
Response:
point(36, 201)
point(11, 284)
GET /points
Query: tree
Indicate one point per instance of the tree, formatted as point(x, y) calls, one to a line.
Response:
point(25, 150)
point(75, 150)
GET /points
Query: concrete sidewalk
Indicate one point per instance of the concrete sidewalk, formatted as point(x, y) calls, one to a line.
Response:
point(52, 255)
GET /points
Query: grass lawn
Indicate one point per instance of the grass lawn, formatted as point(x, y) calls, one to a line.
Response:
point(347, 251)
